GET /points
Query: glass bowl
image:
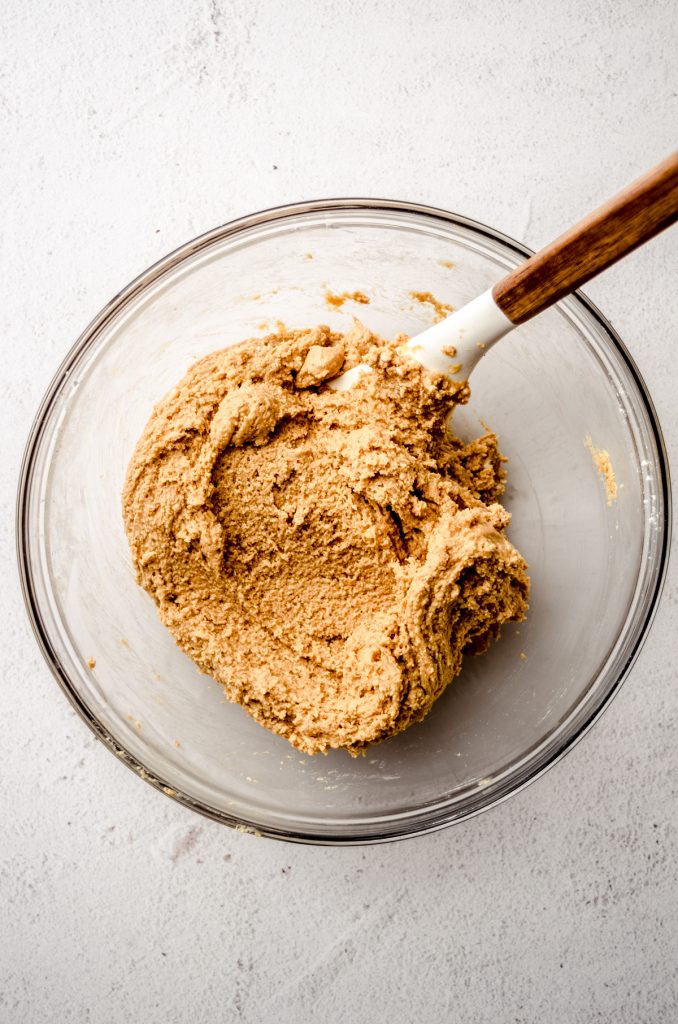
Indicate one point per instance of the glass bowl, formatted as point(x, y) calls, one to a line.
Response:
point(596, 568)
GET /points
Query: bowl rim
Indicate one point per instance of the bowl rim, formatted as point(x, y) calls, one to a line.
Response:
point(393, 829)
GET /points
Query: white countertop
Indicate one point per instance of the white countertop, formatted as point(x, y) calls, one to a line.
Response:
point(130, 127)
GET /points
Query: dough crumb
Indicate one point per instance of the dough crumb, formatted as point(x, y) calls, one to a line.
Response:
point(328, 557)
point(603, 464)
point(247, 830)
point(441, 309)
point(447, 263)
point(91, 663)
point(322, 362)
point(337, 301)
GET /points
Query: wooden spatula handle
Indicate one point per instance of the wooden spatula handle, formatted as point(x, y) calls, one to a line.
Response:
point(632, 217)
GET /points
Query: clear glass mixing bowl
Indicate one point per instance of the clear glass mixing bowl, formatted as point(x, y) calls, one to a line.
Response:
point(596, 569)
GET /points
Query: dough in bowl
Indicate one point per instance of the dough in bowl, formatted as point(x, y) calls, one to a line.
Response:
point(328, 557)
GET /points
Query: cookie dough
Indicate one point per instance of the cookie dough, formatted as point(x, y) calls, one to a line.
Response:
point(329, 557)
point(603, 463)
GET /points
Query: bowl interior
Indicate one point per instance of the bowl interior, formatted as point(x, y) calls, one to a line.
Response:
point(544, 389)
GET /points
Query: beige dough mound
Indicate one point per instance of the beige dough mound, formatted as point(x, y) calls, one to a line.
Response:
point(327, 556)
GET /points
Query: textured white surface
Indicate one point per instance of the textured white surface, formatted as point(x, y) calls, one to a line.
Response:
point(128, 128)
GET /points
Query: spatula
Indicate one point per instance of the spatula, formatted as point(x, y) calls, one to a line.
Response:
point(634, 216)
